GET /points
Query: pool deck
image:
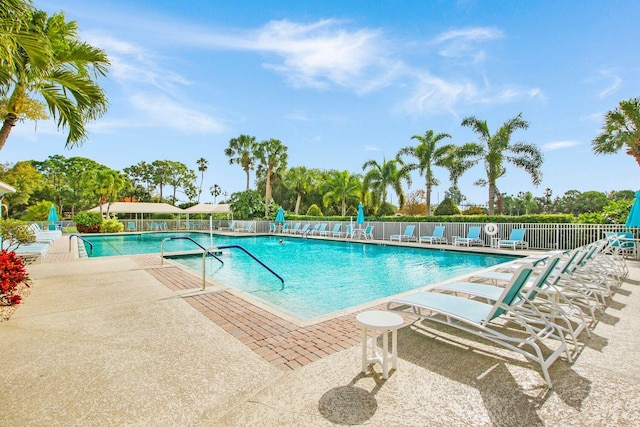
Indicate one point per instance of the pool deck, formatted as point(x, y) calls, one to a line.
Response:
point(126, 341)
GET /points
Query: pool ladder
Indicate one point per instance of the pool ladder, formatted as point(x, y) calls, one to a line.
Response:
point(83, 239)
point(210, 252)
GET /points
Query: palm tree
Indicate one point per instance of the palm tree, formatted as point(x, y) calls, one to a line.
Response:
point(389, 173)
point(496, 149)
point(273, 159)
point(106, 184)
point(428, 155)
point(63, 79)
point(300, 180)
point(621, 129)
point(240, 151)
point(215, 191)
point(203, 165)
point(340, 186)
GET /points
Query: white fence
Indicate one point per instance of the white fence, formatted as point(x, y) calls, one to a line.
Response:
point(539, 236)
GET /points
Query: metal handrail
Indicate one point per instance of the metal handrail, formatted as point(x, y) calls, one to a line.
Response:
point(206, 251)
point(81, 238)
point(256, 259)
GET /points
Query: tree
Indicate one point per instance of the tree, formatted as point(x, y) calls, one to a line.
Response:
point(427, 155)
point(273, 160)
point(24, 177)
point(215, 191)
point(388, 174)
point(497, 149)
point(240, 152)
point(621, 129)
point(340, 186)
point(178, 175)
point(246, 204)
point(105, 184)
point(203, 165)
point(63, 80)
point(300, 180)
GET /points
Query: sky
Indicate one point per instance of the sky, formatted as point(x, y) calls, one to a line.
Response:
point(343, 82)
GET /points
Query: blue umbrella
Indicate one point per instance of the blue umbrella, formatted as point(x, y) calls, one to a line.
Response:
point(360, 218)
point(53, 215)
point(280, 215)
point(633, 220)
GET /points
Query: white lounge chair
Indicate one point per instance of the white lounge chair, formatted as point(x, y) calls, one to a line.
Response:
point(473, 238)
point(291, 230)
point(477, 318)
point(337, 230)
point(230, 226)
point(408, 234)
point(368, 232)
point(436, 237)
point(515, 240)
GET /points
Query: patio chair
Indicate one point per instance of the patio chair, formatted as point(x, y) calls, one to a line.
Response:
point(303, 230)
point(473, 238)
point(348, 233)
point(272, 228)
point(249, 228)
point(515, 240)
point(408, 234)
point(436, 237)
point(477, 318)
point(230, 226)
point(285, 228)
point(337, 230)
point(368, 232)
point(131, 226)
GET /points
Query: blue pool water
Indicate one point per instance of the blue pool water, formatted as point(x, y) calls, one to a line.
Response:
point(321, 276)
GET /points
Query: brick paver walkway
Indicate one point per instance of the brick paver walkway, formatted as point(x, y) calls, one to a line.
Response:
point(282, 343)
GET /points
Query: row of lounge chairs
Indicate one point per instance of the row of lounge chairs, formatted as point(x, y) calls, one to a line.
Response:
point(320, 229)
point(515, 240)
point(536, 307)
point(30, 252)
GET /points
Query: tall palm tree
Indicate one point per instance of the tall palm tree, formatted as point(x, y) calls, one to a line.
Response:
point(340, 186)
point(621, 129)
point(300, 180)
point(203, 165)
point(273, 160)
point(62, 78)
point(215, 191)
point(497, 149)
point(240, 152)
point(388, 174)
point(428, 155)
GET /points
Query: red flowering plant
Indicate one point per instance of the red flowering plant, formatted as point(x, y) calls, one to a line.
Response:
point(12, 274)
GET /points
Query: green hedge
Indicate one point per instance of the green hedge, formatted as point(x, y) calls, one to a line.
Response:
point(526, 219)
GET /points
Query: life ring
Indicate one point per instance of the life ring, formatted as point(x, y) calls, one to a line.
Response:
point(491, 228)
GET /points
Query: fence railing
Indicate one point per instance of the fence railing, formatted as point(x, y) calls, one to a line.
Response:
point(538, 236)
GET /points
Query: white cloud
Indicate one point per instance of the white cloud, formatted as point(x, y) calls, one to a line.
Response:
point(464, 42)
point(371, 148)
point(558, 145)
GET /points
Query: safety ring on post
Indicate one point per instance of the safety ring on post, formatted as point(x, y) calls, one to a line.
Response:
point(491, 228)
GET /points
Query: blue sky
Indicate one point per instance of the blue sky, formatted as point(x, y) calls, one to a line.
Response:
point(343, 82)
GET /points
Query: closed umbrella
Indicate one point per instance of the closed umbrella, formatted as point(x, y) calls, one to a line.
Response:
point(280, 217)
point(53, 217)
point(360, 217)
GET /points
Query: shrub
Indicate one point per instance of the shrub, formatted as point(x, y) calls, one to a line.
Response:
point(386, 209)
point(12, 274)
point(37, 212)
point(111, 226)
point(447, 207)
point(15, 233)
point(314, 210)
point(87, 218)
point(474, 210)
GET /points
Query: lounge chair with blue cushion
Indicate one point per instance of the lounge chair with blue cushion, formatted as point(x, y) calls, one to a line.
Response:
point(480, 319)
point(230, 226)
point(473, 238)
point(408, 234)
point(321, 229)
point(303, 230)
point(436, 237)
point(285, 228)
point(337, 230)
point(249, 228)
point(131, 226)
point(348, 233)
point(515, 240)
point(272, 228)
point(292, 230)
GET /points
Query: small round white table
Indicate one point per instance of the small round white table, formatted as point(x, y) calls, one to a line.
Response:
point(386, 322)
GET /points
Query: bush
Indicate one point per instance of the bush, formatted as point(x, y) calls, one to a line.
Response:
point(474, 210)
point(111, 226)
point(12, 274)
point(15, 233)
point(386, 209)
point(314, 210)
point(37, 212)
point(87, 218)
point(447, 207)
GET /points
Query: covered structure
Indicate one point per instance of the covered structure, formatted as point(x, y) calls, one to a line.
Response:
point(138, 208)
point(210, 209)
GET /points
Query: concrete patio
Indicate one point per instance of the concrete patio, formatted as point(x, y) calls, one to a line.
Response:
point(124, 341)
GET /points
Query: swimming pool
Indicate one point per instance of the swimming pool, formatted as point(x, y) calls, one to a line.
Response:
point(321, 276)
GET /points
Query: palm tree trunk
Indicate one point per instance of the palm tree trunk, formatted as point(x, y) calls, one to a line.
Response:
point(267, 193)
point(247, 172)
point(492, 196)
point(9, 123)
point(298, 200)
point(428, 199)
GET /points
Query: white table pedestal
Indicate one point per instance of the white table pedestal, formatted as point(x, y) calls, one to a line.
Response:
point(373, 324)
